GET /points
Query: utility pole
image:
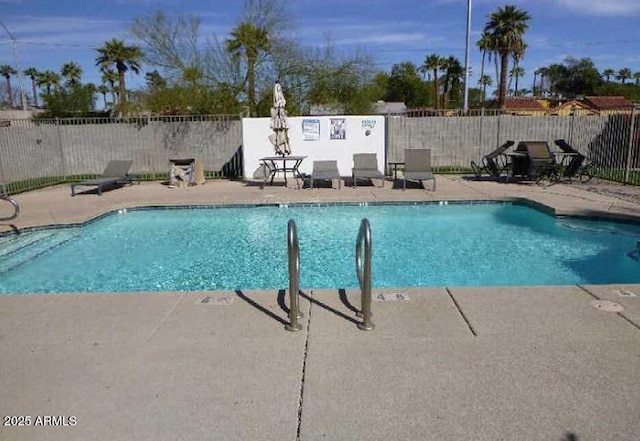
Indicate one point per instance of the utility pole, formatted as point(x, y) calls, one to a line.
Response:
point(14, 43)
point(467, 60)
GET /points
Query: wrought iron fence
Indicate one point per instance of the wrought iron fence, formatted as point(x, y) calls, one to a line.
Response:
point(42, 152)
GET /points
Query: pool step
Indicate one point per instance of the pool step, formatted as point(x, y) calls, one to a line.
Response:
point(19, 249)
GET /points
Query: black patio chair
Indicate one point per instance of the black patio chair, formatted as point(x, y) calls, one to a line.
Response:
point(572, 169)
point(541, 165)
point(495, 164)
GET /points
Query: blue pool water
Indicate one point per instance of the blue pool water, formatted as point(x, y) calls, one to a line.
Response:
point(245, 248)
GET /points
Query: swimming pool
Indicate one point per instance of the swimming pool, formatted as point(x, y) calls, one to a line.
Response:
point(479, 244)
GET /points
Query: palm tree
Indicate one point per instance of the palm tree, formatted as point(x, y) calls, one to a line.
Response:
point(636, 76)
point(506, 28)
point(6, 71)
point(248, 40)
point(453, 73)
point(624, 74)
point(124, 58)
point(517, 72)
point(608, 73)
point(103, 90)
point(48, 79)
point(485, 44)
point(484, 81)
point(535, 77)
point(33, 73)
point(110, 76)
point(434, 62)
point(72, 72)
point(543, 72)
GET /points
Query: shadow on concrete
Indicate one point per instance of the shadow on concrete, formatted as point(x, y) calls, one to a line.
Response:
point(345, 301)
point(261, 308)
point(329, 308)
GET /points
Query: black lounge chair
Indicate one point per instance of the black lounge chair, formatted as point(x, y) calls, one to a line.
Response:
point(326, 171)
point(495, 164)
point(577, 158)
point(539, 162)
point(117, 172)
point(417, 167)
point(365, 166)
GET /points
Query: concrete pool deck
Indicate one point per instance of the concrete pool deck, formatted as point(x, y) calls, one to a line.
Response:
point(530, 363)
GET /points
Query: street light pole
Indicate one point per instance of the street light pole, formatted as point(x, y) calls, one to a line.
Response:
point(466, 60)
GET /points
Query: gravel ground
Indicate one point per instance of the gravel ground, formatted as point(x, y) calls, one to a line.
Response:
point(629, 193)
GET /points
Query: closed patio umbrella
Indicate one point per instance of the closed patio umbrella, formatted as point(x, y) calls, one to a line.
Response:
point(280, 136)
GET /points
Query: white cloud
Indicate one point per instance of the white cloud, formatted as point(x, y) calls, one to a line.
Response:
point(390, 38)
point(602, 7)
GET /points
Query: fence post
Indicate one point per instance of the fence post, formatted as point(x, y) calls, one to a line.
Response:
point(571, 122)
point(498, 129)
point(630, 145)
point(480, 150)
point(63, 170)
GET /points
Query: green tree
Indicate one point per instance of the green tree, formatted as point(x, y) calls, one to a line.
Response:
point(6, 71)
point(33, 73)
point(573, 77)
point(405, 85)
point(624, 74)
point(453, 76)
point(72, 72)
point(554, 74)
point(434, 63)
point(636, 77)
point(103, 90)
point(248, 41)
point(506, 27)
point(485, 44)
point(516, 73)
point(69, 102)
point(608, 73)
point(485, 81)
point(124, 58)
point(154, 80)
point(48, 79)
point(543, 72)
point(110, 77)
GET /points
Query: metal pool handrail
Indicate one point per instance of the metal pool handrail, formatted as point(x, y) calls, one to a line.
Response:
point(293, 249)
point(363, 270)
point(16, 207)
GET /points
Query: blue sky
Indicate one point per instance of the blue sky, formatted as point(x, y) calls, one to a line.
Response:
point(50, 33)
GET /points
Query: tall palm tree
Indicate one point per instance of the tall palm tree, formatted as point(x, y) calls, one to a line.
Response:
point(543, 72)
point(123, 58)
point(535, 77)
point(103, 90)
point(48, 79)
point(624, 74)
point(33, 73)
point(434, 62)
point(72, 72)
point(453, 73)
point(110, 76)
point(483, 82)
point(249, 41)
point(485, 44)
point(608, 73)
point(517, 72)
point(6, 71)
point(506, 27)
